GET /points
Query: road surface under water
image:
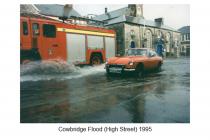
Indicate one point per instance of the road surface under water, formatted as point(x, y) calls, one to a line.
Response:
point(60, 94)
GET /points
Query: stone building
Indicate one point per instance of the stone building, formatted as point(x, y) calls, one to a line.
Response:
point(133, 30)
point(185, 40)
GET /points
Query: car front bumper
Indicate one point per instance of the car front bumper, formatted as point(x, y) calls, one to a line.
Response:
point(129, 69)
point(118, 68)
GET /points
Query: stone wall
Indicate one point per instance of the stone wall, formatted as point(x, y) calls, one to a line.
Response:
point(119, 29)
point(126, 33)
point(132, 33)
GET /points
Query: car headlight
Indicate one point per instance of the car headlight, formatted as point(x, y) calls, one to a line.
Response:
point(106, 61)
point(130, 63)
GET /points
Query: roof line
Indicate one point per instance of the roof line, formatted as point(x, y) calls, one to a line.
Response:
point(145, 25)
point(35, 7)
point(112, 11)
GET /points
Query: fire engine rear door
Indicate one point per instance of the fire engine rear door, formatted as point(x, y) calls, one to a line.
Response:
point(110, 47)
point(76, 50)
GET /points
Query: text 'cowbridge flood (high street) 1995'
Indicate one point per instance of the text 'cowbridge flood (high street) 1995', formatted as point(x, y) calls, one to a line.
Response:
point(98, 129)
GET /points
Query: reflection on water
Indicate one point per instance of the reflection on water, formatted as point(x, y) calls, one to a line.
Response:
point(94, 97)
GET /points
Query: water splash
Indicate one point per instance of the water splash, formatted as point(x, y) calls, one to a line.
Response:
point(47, 67)
point(58, 70)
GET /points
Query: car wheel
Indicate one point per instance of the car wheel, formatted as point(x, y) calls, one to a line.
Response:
point(139, 72)
point(159, 67)
point(107, 71)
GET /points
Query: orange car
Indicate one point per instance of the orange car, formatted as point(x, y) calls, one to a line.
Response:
point(137, 60)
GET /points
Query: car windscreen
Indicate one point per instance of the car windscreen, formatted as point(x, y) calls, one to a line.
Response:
point(139, 52)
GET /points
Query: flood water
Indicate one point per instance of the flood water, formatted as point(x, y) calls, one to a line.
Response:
point(61, 93)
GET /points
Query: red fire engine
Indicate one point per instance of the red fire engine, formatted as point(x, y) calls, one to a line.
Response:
point(42, 38)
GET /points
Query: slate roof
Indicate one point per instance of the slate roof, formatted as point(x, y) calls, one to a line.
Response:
point(112, 14)
point(139, 21)
point(120, 15)
point(54, 10)
point(185, 29)
point(28, 8)
point(47, 9)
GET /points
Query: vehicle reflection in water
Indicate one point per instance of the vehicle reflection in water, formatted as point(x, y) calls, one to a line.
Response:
point(158, 97)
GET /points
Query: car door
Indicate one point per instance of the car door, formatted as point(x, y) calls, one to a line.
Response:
point(155, 60)
point(152, 60)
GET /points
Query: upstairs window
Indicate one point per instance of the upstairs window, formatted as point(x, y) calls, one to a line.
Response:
point(49, 31)
point(183, 37)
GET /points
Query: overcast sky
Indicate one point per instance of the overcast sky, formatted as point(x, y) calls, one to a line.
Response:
point(174, 16)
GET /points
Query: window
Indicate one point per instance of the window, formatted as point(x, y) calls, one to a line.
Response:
point(25, 28)
point(49, 31)
point(35, 27)
point(149, 39)
point(140, 52)
point(132, 45)
point(186, 35)
point(152, 54)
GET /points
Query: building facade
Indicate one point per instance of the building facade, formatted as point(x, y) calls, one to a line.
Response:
point(185, 40)
point(133, 30)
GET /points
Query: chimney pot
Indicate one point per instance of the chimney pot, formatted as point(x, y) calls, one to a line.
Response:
point(106, 10)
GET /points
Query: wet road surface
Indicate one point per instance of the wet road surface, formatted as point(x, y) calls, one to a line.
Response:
point(85, 95)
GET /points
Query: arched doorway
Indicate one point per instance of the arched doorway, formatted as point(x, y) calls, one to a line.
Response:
point(132, 44)
point(168, 42)
point(159, 34)
point(148, 37)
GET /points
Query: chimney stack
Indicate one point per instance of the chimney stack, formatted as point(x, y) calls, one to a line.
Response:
point(159, 21)
point(106, 10)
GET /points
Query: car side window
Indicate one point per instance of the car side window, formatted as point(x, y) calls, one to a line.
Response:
point(149, 53)
point(152, 54)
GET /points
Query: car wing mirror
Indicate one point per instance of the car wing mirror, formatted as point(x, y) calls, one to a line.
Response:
point(151, 55)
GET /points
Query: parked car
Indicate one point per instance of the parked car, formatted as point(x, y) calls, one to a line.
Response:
point(137, 60)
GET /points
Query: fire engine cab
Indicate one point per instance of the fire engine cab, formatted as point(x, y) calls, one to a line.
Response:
point(42, 38)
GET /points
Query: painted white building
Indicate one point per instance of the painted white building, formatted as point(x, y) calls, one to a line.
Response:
point(185, 40)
